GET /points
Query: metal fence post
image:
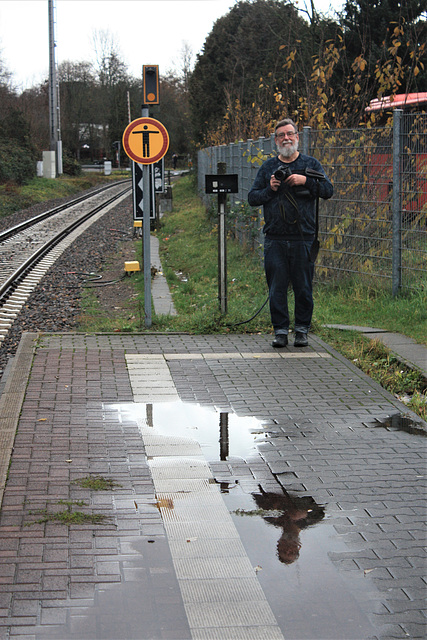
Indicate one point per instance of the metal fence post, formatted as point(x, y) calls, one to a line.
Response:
point(222, 245)
point(306, 140)
point(396, 205)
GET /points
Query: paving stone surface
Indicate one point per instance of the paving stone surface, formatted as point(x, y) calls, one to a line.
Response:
point(324, 439)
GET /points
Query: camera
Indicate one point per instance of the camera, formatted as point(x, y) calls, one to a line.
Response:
point(282, 174)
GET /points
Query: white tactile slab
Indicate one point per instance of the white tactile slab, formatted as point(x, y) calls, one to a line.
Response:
point(217, 590)
point(222, 596)
point(237, 633)
point(150, 378)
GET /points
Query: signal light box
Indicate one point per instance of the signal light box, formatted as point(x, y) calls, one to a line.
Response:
point(150, 84)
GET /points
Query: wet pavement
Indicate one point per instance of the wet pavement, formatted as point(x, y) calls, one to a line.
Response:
point(206, 487)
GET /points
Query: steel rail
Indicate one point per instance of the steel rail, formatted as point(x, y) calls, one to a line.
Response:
point(8, 286)
point(9, 233)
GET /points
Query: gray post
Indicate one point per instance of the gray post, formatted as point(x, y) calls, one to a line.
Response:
point(146, 236)
point(54, 126)
point(397, 205)
point(222, 253)
point(306, 140)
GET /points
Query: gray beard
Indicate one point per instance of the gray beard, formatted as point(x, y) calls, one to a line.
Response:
point(287, 150)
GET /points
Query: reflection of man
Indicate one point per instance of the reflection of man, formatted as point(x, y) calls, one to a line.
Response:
point(145, 140)
point(295, 514)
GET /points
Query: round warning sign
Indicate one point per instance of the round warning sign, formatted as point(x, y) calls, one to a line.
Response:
point(145, 140)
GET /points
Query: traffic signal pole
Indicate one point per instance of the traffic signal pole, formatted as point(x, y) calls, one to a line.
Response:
point(150, 95)
point(146, 249)
point(146, 141)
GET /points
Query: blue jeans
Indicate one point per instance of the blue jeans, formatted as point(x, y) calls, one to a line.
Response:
point(287, 261)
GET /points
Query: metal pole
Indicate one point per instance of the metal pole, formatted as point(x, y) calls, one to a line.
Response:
point(222, 254)
point(396, 206)
point(306, 140)
point(146, 235)
point(55, 137)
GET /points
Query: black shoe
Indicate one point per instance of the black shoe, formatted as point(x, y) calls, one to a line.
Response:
point(281, 340)
point(301, 339)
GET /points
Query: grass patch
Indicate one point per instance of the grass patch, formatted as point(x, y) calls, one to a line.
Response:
point(94, 319)
point(68, 516)
point(96, 483)
point(377, 361)
point(189, 253)
point(354, 303)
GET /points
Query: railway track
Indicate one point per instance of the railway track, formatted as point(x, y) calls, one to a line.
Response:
point(29, 249)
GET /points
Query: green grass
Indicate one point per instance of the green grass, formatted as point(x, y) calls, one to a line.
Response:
point(96, 483)
point(355, 303)
point(189, 254)
point(69, 515)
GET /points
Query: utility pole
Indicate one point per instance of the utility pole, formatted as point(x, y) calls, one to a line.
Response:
point(54, 115)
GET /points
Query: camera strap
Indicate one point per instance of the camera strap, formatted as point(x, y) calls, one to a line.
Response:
point(315, 246)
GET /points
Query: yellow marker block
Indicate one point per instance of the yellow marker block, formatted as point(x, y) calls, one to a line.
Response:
point(132, 266)
point(137, 223)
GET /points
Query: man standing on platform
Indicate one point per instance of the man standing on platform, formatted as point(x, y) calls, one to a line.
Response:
point(288, 187)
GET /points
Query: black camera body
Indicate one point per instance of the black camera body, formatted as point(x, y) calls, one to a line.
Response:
point(282, 174)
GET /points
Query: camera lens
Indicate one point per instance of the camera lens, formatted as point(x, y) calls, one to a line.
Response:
point(282, 174)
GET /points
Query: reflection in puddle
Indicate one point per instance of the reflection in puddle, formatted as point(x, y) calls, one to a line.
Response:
point(401, 422)
point(309, 597)
point(221, 435)
point(290, 513)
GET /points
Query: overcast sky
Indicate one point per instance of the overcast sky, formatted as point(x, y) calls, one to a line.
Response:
point(145, 31)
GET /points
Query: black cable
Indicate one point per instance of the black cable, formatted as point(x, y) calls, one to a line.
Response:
point(236, 324)
point(103, 284)
point(93, 281)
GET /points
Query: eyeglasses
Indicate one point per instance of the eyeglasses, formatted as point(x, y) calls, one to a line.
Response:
point(288, 134)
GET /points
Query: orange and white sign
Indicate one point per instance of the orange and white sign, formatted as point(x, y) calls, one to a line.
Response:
point(145, 140)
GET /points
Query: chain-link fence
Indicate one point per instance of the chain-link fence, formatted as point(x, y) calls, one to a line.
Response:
point(375, 224)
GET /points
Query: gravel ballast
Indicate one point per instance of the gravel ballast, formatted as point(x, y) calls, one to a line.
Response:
point(54, 306)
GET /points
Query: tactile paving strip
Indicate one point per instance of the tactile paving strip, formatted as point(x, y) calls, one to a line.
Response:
point(222, 596)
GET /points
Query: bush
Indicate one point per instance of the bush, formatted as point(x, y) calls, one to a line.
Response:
point(17, 163)
point(70, 166)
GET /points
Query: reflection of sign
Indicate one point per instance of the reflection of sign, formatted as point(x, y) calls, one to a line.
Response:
point(145, 140)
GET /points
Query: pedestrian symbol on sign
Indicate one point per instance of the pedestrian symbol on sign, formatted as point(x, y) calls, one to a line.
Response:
point(145, 140)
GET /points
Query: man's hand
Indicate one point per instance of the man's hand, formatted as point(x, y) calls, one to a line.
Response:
point(296, 180)
point(274, 183)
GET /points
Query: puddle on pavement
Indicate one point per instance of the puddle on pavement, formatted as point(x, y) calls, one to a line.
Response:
point(400, 422)
point(220, 434)
point(288, 538)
